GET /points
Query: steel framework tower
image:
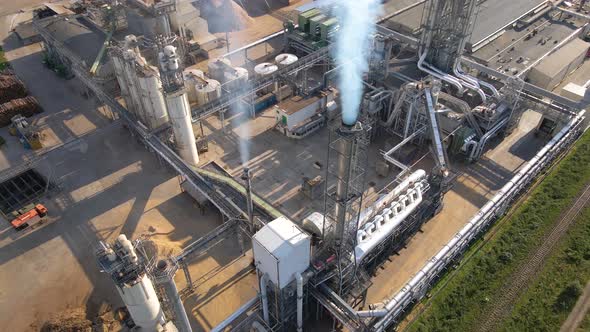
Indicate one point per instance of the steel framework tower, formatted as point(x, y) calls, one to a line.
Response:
point(450, 22)
point(343, 202)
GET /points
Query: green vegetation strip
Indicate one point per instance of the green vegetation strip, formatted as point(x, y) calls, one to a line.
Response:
point(464, 300)
point(3, 62)
point(585, 324)
point(548, 301)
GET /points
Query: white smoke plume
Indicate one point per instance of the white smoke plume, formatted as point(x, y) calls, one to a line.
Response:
point(357, 22)
point(241, 109)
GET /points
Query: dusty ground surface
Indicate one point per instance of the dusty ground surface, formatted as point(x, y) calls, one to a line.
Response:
point(108, 184)
point(279, 163)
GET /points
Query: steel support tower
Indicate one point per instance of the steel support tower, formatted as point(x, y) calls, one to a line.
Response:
point(343, 202)
point(451, 23)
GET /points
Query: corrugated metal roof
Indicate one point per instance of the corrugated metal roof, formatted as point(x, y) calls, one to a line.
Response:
point(561, 58)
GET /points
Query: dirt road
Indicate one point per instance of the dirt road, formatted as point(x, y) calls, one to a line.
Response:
point(578, 312)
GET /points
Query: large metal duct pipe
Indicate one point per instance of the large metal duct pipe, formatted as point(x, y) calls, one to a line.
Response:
point(264, 296)
point(165, 271)
point(299, 279)
point(247, 179)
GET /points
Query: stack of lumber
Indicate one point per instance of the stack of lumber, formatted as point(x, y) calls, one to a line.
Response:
point(27, 106)
point(11, 87)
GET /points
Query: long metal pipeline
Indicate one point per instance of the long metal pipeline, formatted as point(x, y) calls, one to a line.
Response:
point(264, 296)
point(299, 279)
point(417, 286)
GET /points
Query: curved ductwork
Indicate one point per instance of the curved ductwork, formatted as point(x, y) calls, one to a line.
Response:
point(425, 67)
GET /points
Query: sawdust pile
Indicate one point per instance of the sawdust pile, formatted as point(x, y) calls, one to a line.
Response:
point(75, 321)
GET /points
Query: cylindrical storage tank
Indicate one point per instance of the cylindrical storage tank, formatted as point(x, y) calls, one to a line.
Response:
point(266, 69)
point(142, 303)
point(122, 80)
point(153, 100)
point(236, 79)
point(133, 86)
point(192, 77)
point(207, 91)
point(286, 59)
point(179, 113)
point(216, 68)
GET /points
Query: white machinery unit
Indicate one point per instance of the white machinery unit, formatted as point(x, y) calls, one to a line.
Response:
point(281, 251)
point(296, 112)
point(314, 223)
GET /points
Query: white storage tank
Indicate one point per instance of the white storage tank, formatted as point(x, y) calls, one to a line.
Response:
point(192, 77)
point(179, 112)
point(265, 69)
point(286, 59)
point(152, 97)
point(207, 91)
point(236, 78)
point(130, 60)
point(217, 67)
point(122, 80)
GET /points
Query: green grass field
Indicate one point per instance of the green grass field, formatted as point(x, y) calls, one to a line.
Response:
point(462, 303)
point(548, 301)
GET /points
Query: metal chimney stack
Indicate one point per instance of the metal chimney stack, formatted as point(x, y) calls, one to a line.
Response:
point(164, 275)
point(247, 179)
